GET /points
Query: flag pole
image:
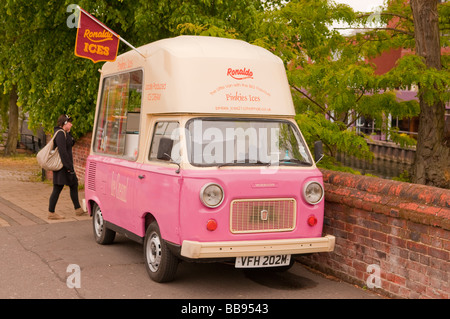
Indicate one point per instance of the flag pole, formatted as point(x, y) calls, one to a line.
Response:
point(118, 36)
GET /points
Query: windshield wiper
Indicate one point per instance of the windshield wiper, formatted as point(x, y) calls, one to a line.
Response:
point(294, 161)
point(237, 163)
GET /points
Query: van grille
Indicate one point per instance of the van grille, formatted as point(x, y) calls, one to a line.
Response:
point(262, 215)
point(92, 169)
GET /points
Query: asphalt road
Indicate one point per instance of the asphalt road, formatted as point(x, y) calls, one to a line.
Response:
point(62, 261)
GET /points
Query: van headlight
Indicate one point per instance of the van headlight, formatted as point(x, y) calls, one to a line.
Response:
point(211, 195)
point(313, 193)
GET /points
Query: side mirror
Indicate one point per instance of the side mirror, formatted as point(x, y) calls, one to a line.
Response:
point(164, 148)
point(318, 151)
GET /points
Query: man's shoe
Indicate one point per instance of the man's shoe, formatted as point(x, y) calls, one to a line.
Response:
point(54, 216)
point(80, 212)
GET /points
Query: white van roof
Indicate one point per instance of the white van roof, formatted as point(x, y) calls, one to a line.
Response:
point(195, 74)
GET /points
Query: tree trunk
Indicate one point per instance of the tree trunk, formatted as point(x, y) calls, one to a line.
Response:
point(432, 161)
point(13, 128)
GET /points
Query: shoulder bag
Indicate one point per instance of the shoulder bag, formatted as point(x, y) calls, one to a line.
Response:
point(48, 158)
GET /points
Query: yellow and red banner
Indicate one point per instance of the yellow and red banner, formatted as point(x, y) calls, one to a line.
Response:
point(95, 41)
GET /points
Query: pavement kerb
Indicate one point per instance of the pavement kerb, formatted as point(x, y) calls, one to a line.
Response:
point(26, 202)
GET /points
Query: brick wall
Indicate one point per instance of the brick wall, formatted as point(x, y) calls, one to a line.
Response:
point(80, 153)
point(392, 237)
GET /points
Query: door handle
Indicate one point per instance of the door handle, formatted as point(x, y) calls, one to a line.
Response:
point(141, 176)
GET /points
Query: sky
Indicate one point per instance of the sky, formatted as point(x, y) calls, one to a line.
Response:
point(358, 5)
point(362, 5)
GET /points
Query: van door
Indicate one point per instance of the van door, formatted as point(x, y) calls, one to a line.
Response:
point(159, 180)
point(121, 195)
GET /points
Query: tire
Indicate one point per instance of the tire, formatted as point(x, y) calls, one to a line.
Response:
point(102, 235)
point(160, 263)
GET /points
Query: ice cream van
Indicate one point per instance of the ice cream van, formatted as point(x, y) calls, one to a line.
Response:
point(196, 154)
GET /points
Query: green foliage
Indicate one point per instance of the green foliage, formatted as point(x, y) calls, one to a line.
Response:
point(37, 46)
point(163, 19)
point(37, 56)
point(330, 163)
point(403, 177)
point(333, 82)
point(334, 136)
point(332, 79)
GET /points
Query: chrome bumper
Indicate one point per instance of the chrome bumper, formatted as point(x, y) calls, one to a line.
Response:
point(195, 249)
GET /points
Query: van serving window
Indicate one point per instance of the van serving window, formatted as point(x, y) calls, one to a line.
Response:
point(117, 131)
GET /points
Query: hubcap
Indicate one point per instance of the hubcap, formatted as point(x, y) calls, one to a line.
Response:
point(98, 223)
point(153, 252)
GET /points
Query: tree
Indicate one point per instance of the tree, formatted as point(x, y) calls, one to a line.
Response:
point(37, 58)
point(334, 82)
point(4, 118)
point(13, 124)
point(226, 18)
point(432, 162)
point(421, 26)
point(37, 47)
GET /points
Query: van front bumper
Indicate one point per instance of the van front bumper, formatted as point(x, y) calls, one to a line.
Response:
point(223, 249)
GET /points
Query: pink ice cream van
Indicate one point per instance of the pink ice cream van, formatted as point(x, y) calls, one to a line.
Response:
point(196, 154)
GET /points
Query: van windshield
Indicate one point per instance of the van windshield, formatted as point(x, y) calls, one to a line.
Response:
point(240, 142)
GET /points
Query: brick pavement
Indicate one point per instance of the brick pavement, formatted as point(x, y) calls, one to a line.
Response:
point(23, 202)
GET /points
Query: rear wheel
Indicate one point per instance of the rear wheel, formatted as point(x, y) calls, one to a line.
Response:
point(102, 235)
point(160, 263)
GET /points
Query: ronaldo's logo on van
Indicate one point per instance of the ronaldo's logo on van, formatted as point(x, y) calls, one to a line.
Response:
point(240, 74)
point(264, 214)
point(118, 189)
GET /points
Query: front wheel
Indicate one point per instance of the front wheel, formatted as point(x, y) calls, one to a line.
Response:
point(160, 263)
point(102, 235)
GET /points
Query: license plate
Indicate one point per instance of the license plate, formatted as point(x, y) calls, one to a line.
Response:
point(262, 261)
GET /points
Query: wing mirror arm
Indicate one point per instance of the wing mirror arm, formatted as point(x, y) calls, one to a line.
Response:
point(318, 151)
point(173, 162)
